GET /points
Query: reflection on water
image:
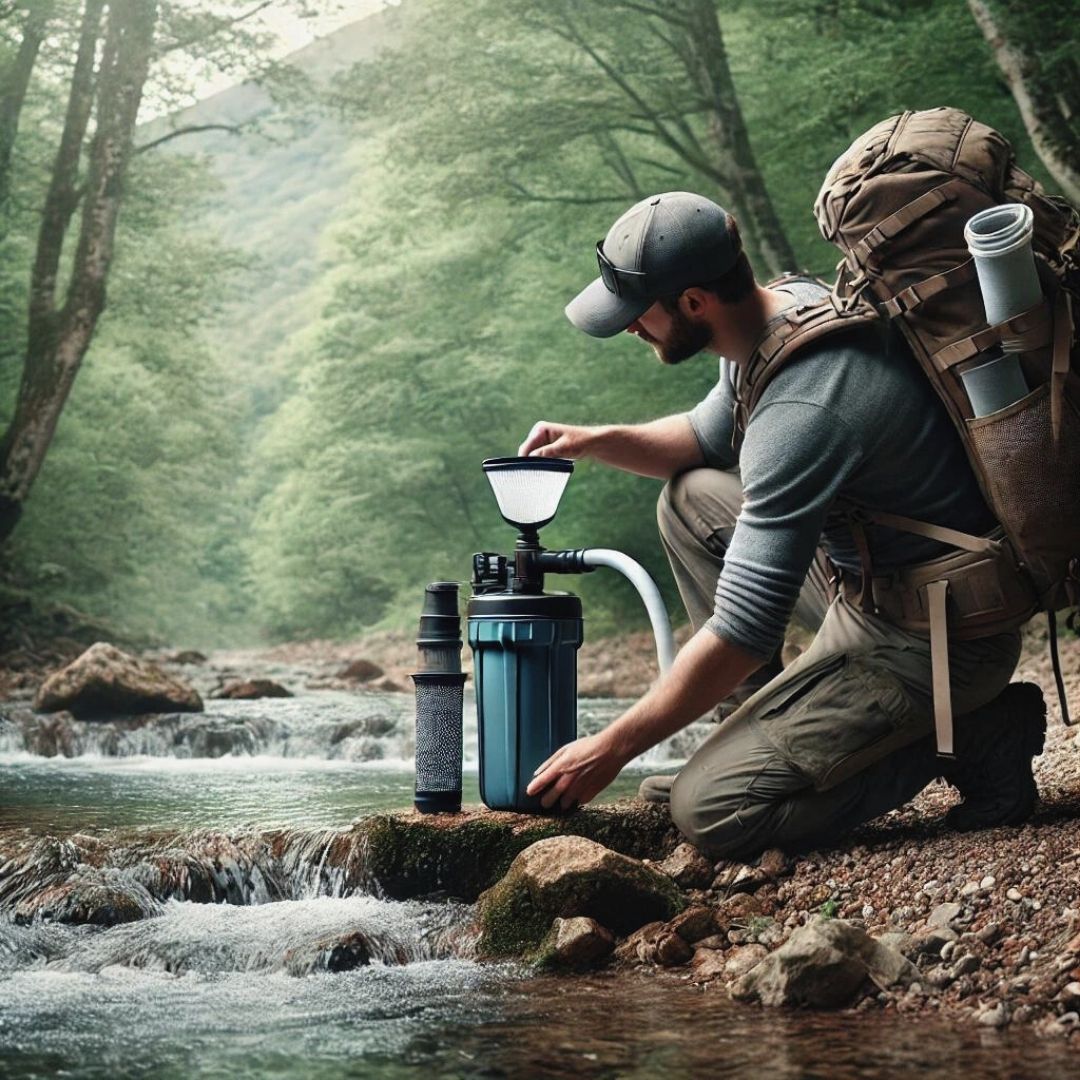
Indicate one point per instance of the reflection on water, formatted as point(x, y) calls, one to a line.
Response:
point(79, 793)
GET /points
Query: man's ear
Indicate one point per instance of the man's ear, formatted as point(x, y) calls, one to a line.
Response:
point(694, 302)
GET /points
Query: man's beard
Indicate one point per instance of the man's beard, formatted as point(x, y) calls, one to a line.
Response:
point(687, 338)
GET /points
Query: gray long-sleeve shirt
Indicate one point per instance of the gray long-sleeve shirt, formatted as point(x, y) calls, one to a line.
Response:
point(851, 415)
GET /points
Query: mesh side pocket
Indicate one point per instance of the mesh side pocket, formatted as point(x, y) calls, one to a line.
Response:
point(1033, 484)
point(439, 707)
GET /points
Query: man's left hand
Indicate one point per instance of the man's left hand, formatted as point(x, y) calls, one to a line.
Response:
point(577, 772)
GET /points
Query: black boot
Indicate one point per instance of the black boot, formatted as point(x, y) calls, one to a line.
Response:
point(993, 769)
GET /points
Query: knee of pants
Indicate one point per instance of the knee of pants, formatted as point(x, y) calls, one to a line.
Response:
point(691, 817)
point(702, 500)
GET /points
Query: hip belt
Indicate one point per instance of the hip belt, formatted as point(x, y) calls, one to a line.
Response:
point(974, 592)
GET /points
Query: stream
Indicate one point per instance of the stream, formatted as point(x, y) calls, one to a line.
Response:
point(250, 988)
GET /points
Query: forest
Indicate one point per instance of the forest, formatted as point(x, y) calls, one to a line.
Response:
point(256, 346)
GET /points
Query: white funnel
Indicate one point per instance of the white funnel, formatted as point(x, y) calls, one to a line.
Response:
point(528, 489)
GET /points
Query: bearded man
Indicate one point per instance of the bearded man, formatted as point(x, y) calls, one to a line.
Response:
point(750, 517)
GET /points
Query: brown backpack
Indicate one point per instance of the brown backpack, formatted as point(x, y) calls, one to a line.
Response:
point(896, 203)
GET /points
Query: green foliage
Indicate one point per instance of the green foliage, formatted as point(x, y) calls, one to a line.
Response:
point(288, 442)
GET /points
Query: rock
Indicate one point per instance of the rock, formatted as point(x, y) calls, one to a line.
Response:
point(105, 680)
point(988, 883)
point(775, 864)
point(743, 958)
point(739, 906)
point(899, 940)
point(707, 964)
point(575, 944)
point(694, 924)
point(966, 965)
point(932, 939)
point(655, 943)
point(737, 877)
point(687, 867)
point(1014, 894)
point(187, 656)
point(564, 876)
point(251, 689)
point(993, 1016)
point(387, 685)
point(90, 897)
point(361, 671)
point(1070, 996)
point(671, 950)
point(713, 941)
point(635, 948)
point(943, 914)
point(1074, 946)
point(342, 952)
point(823, 965)
point(989, 933)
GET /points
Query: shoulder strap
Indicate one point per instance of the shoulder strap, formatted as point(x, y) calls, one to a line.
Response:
point(785, 335)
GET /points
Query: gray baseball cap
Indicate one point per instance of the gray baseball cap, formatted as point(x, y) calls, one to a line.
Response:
point(659, 247)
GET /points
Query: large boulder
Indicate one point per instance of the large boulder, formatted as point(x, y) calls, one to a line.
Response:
point(105, 680)
point(565, 876)
point(822, 966)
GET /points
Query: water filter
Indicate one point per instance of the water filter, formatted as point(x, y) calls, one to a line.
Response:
point(440, 692)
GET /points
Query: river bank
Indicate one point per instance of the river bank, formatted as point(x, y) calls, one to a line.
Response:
point(991, 919)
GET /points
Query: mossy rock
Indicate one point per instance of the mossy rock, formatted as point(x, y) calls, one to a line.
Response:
point(567, 876)
point(460, 855)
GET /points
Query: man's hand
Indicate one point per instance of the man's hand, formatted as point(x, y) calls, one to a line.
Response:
point(577, 772)
point(548, 439)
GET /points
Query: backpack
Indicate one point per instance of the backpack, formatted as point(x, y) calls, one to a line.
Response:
point(895, 204)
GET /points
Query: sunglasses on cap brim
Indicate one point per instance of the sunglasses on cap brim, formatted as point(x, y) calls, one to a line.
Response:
point(618, 281)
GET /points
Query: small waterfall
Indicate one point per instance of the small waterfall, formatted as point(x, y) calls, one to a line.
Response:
point(297, 937)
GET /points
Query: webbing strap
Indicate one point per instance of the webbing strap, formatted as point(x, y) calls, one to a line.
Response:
point(914, 295)
point(1063, 334)
point(907, 215)
point(1030, 329)
point(866, 568)
point(1055, 660)
point(964, 541)
point(936, 593)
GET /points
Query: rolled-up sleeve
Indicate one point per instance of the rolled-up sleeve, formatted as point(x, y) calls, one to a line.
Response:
point(794, 458)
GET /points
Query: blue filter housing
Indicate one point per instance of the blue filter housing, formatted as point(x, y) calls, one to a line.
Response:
point(525, 672)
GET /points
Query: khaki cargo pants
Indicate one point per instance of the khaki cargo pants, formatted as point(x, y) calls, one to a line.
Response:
point(840, 736)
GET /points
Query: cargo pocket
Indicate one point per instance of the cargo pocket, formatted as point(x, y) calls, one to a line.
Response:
point(839, 717)
point(1033, 483)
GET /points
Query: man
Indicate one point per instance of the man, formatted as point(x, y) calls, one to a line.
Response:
point(845, 732)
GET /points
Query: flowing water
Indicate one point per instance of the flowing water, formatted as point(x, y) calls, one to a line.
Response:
point(267, 983)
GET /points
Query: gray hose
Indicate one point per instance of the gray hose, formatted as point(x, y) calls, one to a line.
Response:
point(639, 577)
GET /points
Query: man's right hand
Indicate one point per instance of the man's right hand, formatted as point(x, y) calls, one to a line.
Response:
point(548, 439)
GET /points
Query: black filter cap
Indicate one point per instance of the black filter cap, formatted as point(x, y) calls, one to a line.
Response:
point(441, 598)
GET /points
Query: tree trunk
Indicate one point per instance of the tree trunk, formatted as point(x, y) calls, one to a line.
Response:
point(750, 203)
point(59, 339)
point(15, 82)
point(1044, 112)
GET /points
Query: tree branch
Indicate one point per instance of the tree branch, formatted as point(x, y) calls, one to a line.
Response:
point(525, 195)
point(219, 25)
point(191, 129)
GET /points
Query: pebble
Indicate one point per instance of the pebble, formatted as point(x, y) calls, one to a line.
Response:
point(966, 965)
point(988, 882)
point(1070, 996)
point(1015, 895)
point(948, 949)
point(995, 1016)
point(970, 889)
point(943, 914)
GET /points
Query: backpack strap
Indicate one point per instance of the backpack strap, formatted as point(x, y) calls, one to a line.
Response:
point(783, 337)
